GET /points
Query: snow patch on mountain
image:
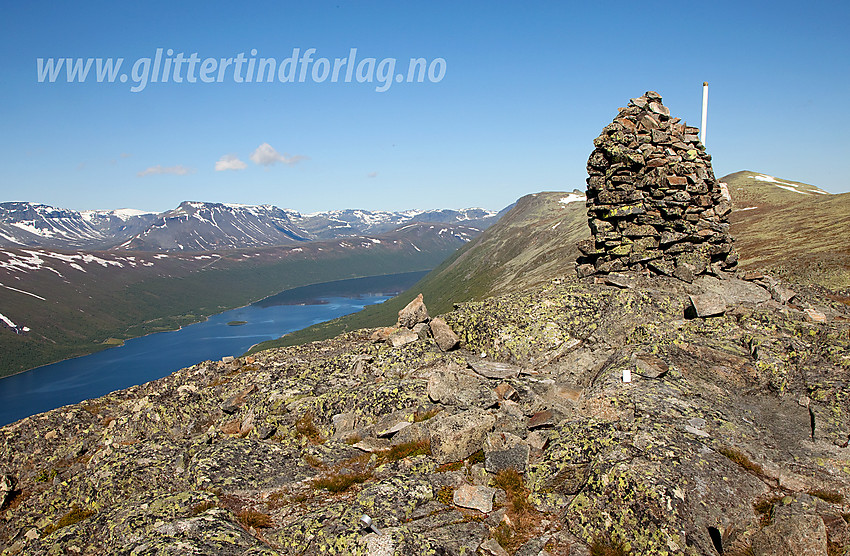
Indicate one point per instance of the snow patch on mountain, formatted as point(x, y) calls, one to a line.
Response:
point(572, 198)
point(790, 186)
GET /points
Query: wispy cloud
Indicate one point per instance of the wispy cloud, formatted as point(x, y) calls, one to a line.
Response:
point(372, 175)
point(178, 170)
point(229, 162)
point(126, 155)
point(266, 155)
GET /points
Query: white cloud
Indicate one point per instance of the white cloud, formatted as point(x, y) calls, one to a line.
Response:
point(372, 175)
point(229, 162)
point(266, 155)
point(178, 170)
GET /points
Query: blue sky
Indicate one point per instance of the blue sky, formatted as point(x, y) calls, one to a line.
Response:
point(526, 89)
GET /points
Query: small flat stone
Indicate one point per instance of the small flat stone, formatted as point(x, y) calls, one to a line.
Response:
point(490, 369)
point(541, 419)
point(459, 436)
point(813, 315)
point(780, 293)
point(506, 392)
point(448, 387)
point(620, 280)
point(733, 291)
point(421, 330)
point(503, 450)
point(373, 444)
point(343, 423)
point(381, 334)
point(648, 121)
point(659, 108)
point(650, 366)
point(708, 305)
point(474, 497)
point(491, 547)
point(538, 440)
point(402, 337)
point(696, 432)
point(386, 433)
point(234, 402)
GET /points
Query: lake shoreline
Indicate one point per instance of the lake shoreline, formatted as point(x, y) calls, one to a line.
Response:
point(157, 355)
point(100, 347)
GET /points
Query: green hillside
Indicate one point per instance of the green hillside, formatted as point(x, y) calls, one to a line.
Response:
point(794, 230)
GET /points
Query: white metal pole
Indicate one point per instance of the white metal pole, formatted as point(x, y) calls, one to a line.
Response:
point(704, 110)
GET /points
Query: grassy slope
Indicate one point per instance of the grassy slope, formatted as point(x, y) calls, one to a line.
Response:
point(82, 311)
point(800, 237)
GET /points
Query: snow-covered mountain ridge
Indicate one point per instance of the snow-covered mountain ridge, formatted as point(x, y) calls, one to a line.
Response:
point(203, 226)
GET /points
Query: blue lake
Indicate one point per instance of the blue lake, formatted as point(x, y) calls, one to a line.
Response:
point(151, 357)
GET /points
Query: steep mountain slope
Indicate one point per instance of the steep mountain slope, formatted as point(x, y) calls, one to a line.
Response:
point(78, 302)
point(794, 230)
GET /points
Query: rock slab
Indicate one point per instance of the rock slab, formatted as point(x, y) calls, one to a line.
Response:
point(414, 313)
point(458, 436)
point(474, 497)
point(443, 334)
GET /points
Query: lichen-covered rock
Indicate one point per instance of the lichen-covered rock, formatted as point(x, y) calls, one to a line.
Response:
point(732, 430)
point(414, 313)
point(503, 450)
point(794, 535)
point(456, 437)
point(452, 386)
point(475, 497)
point(443, 334)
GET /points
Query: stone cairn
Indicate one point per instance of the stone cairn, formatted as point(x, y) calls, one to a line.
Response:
point(653, 204)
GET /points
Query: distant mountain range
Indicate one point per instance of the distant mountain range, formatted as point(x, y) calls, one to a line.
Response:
point(205, 226)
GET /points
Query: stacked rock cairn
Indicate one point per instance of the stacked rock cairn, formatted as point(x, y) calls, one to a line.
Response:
point(653, 204)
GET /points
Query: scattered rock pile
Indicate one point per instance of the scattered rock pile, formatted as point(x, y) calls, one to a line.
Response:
point(652, 200)
point(415, 324)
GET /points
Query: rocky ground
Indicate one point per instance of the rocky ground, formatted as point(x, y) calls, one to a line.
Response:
point(618, 415)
